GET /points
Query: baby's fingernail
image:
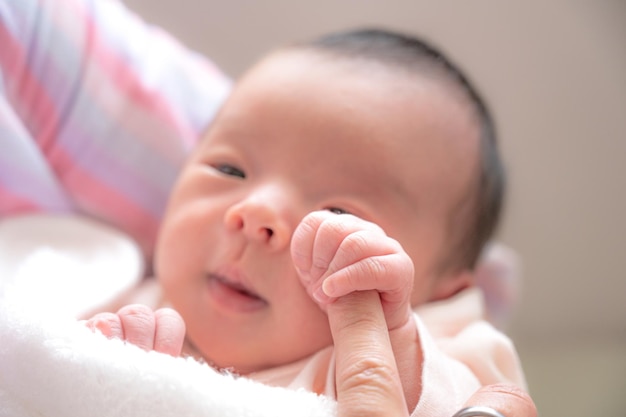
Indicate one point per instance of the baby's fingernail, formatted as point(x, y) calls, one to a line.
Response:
point(328, 287)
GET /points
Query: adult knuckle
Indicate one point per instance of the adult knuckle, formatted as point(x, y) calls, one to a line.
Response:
point(360, 321)
point(510, 389)
point(370, 372)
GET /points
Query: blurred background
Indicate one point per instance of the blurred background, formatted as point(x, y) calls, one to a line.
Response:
point(554, 74)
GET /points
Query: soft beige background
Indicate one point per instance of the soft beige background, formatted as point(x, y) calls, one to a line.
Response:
point(555, 75)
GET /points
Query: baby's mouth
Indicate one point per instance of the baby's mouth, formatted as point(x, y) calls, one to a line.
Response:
point(234, 295)
point(235, 286)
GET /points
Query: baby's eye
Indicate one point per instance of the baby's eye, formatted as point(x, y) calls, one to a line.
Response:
point(230, 170)
point(337, 210)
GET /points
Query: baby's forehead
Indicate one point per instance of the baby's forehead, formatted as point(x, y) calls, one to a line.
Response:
point(410, 126)
point(438, 111)
point(408, 76)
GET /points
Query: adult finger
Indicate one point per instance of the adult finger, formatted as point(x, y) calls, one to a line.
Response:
point(170, 332)
point(139, 325)
point(508, 400)
point(368, 383)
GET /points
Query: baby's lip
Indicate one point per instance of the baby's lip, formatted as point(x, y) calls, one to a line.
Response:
point(233, 278)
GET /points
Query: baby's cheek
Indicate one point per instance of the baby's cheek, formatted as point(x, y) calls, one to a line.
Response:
point(174, 257)
point(421, 292)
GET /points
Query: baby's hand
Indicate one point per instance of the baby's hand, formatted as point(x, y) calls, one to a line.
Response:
point(162, 330)
point(336, 255)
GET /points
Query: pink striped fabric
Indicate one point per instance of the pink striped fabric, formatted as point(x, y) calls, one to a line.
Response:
point(98, 111)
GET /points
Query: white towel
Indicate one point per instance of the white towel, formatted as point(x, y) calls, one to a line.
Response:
point(53, 366)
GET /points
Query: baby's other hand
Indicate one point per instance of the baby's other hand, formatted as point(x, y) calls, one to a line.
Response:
point(337, 254)
point(162, 330)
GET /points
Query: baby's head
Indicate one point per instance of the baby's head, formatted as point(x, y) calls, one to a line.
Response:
point(370, 123)
point(474, 218)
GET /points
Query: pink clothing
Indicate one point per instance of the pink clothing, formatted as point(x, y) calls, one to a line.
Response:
point(98, 112)
point(462, 352)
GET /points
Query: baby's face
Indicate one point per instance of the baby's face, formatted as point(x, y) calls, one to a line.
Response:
point(300, 134)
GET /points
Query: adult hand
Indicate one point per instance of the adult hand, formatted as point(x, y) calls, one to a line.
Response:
point(509, 400)
point(367, 379)
point(368, 382)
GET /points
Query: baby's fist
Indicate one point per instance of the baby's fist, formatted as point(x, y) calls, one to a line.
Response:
point(162, 330)
point(336, 255)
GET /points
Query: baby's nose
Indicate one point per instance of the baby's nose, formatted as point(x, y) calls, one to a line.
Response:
point(261, 220)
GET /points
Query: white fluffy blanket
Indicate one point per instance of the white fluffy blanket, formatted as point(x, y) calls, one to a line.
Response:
point(51, 365)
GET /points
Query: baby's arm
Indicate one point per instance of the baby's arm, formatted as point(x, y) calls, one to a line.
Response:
point(337, 255)
point(162, 330)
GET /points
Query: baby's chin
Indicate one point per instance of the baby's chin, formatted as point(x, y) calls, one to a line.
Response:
point(245, 364)
point(243, 368)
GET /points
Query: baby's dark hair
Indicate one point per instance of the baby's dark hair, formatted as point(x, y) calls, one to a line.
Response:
point(475, 219)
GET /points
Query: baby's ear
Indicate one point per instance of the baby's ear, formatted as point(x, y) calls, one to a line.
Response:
point(452, 283)
point(499, 275)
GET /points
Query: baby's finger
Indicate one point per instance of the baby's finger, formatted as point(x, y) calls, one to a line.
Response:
point(362, 244)
point(344, 239)
point(319, 228)
point(302, 245)
point(170, 332)
point(389, 274)
point(317, 239)
point(108, 324)
point(139, 325)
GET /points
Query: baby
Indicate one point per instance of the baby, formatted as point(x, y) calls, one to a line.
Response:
point(361, 161)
